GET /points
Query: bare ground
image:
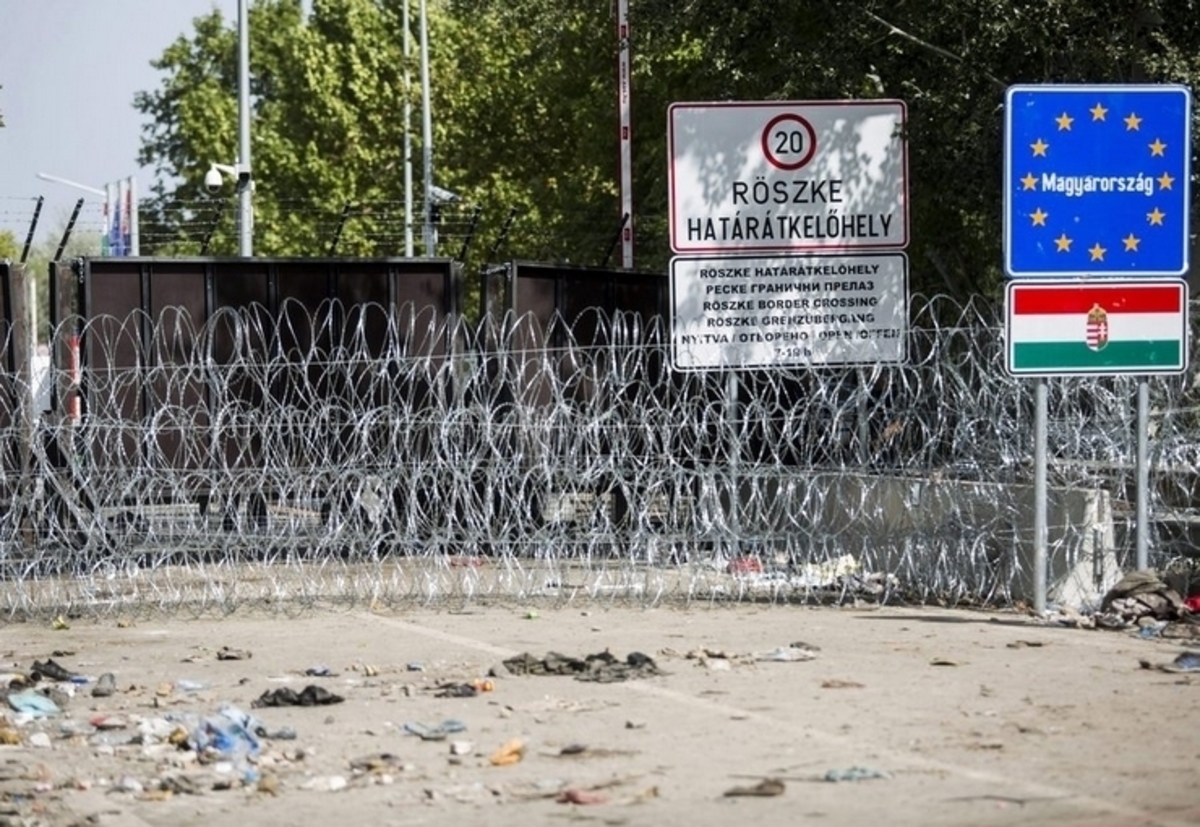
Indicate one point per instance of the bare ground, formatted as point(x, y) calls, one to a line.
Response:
point(971, 717)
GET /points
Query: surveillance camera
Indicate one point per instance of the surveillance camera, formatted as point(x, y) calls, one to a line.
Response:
point(213, 180)
point(437, 194)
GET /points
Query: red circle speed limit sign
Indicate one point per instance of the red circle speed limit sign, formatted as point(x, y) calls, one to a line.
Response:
point(789, 141)
point(778, 176)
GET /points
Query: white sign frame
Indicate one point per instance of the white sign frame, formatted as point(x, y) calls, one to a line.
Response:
point(787, 176)
point(812, 310)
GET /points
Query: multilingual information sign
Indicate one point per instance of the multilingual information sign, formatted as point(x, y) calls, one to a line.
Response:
point(799, 310)
point(1096, 180)
point(787, 176)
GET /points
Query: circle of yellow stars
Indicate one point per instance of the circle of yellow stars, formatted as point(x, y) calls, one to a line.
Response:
point(1041, 148)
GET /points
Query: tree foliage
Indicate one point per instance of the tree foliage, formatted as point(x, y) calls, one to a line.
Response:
point(525, 122)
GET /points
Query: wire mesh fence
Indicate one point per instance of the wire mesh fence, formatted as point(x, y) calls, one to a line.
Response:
point(392, 456)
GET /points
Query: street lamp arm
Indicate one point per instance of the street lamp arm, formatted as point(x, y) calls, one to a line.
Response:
point(45, 177)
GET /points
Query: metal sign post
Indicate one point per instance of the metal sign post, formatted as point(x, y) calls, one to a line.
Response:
point(1096, 187)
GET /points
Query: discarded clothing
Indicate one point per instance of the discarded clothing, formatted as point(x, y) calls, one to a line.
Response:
point(310, 695)
point(603, 667)
point(1136, 595)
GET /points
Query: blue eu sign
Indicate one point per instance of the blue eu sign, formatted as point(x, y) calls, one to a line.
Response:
point(1096, 180)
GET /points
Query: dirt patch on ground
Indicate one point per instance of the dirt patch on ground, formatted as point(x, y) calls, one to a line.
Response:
point(695, 715)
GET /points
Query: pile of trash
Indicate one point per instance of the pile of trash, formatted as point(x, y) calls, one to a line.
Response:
point(1144, 600)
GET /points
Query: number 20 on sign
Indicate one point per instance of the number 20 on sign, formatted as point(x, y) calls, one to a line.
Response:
point(788, 176)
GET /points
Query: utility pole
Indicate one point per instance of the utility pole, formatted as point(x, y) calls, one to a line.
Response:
point(427, 136)
point(245, 183)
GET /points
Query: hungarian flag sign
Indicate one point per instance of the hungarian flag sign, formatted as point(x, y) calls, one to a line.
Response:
point(1107, 327)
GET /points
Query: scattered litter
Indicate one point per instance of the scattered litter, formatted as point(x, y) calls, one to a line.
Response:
point(319, 672)
point(51, 670)
point(574, 796)
point(1136, 595)
point(532, 615)
point(331, 783)
point(796, 652)
point(635, 724)
point(744, 565)
point(105, 722)
point(840, 684)
point(855, 774)
point(106, 685)
point(310, 695)
point(1148, 628)
point(464, 690)
point(509, 753)
point(1185, 662)
point(226, 653)
point(415, 667)
point(455, 690)
point(1021, 644)
point(285, 733)
point(943, 662)
point(828, 573)
point(1192, 604)
point(425, 732)
point(59, 624)
point(185, 685)
point(376, 762)
point(9, 737)
point(40, 740)
point(461, 747)
point(763, 789)
point(573, 749)
point(33, 703)
point(603, 667)
point(1188, 629)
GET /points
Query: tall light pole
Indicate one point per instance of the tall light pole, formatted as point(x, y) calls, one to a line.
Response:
point(427, 136)
point(245, 184)
point(408, 200)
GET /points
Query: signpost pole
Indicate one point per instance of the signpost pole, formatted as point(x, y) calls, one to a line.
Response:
point(1143, 472)
point(1040, 532)
point(864, 424)
point(735, 485)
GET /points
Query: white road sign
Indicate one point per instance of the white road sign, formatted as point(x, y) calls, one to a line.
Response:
point(798, 310)
point(787, 176)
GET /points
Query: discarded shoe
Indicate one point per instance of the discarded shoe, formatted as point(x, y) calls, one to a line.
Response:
point(435, 733)
point(105, 685)
point(53, 671)
point(765, 788)
point(1185, 662)
point(225, 653)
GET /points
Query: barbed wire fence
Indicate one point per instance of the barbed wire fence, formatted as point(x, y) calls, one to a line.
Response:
point(233, 466)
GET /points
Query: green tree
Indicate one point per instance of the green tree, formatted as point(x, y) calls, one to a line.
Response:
point(950, 62)
point(524, 111)
point(9, 248)
point(326, 90)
